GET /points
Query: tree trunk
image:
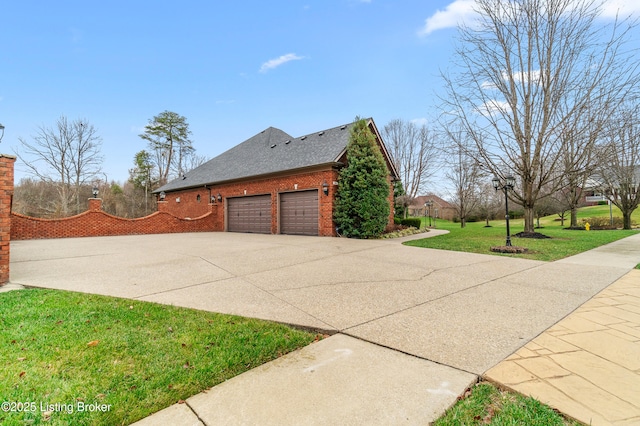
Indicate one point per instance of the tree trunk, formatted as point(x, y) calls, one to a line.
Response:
point(626, 220)
point(574, 217)
point(528, 219)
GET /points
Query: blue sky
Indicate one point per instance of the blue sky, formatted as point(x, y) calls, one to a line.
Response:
point(231, 68)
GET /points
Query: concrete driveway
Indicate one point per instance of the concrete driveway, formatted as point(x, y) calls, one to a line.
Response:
point(467, 311)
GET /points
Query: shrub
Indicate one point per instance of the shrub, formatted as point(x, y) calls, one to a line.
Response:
point(397, 220)
point(362, 201)
point(412, 221)
point(602, 222)
point(602, 203)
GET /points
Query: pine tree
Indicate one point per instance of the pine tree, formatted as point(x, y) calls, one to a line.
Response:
point(362, 201)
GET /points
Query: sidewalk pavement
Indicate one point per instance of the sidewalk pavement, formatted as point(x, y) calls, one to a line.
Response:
point(588, 365)
point(415, 327)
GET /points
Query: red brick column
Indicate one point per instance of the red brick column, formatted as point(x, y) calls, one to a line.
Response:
point(95, 204)
point(6, 195)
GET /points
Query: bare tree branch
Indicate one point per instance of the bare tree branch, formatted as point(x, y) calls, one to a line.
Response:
point(530, 70)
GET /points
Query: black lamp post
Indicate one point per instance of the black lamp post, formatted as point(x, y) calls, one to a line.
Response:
point(428, 205)
point(508, 185)
point(94, 191)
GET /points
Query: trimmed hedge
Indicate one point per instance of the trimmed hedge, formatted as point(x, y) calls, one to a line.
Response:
point(412, 221)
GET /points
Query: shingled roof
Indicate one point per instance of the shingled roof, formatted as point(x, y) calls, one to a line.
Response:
point(270, 151)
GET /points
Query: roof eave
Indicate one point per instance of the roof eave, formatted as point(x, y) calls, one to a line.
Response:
point(315, 167)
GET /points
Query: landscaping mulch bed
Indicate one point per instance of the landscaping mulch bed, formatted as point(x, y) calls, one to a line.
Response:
point(509, 249)
point(535, 235)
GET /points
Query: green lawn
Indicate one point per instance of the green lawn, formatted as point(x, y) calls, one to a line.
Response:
point(487, 405)
point(127, 357)
point(476, 238)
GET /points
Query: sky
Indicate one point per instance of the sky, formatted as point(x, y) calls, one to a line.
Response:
point(232, 69)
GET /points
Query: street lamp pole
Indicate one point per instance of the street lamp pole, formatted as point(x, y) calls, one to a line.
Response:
point(508, 185)
point(428, 205)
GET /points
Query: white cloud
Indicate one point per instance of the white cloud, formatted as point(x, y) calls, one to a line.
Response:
point(461, 11)
point(274, 63)
point(492, 106)
point(420, 121)
point(623, 8)
point(455, 13)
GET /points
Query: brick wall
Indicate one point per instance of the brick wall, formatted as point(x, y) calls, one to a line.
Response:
point(188, 199)
point(6, 195)
point(94, 222)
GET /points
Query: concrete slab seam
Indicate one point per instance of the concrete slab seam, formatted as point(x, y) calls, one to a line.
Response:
point(478, 377)
point(195, 413)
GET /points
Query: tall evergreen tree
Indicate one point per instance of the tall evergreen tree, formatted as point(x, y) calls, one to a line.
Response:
point(362, 201)
point(168, 137)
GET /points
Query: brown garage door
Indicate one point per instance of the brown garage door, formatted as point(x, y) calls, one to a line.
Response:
point(249, 214)
point(299, 213)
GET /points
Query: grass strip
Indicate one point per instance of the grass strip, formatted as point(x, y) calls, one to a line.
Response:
point(485, 404)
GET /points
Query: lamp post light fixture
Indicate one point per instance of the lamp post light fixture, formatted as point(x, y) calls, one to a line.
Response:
point(94, 191)
point(162, 195)
point(508, 185)
point(1, 129)
point(428, 205)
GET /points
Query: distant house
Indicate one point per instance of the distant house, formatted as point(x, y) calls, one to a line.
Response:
point(597, 186)
point(272, 183)
point(441, 209)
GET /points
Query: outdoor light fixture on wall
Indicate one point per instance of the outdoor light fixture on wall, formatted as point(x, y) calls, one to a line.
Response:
point(325, 188)
point(219, 197)
point(94, 191)
point(508, 185)
point(162, 196)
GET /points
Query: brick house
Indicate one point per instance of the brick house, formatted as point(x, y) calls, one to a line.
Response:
point(272, 183)
point(440, 209)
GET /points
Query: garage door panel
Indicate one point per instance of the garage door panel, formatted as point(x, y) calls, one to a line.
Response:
point(299, 213)
point(249, 214)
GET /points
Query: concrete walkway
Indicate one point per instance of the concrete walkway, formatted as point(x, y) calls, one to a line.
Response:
point(415, 326)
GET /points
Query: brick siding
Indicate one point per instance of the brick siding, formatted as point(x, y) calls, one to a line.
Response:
point(188, 204)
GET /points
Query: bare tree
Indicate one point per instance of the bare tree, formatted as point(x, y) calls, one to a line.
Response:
point(490, 202)
point(414, 154)
point(465, 173)
point(528, 69)
point(67, 155)
point(577, 159)
point(619, 162)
